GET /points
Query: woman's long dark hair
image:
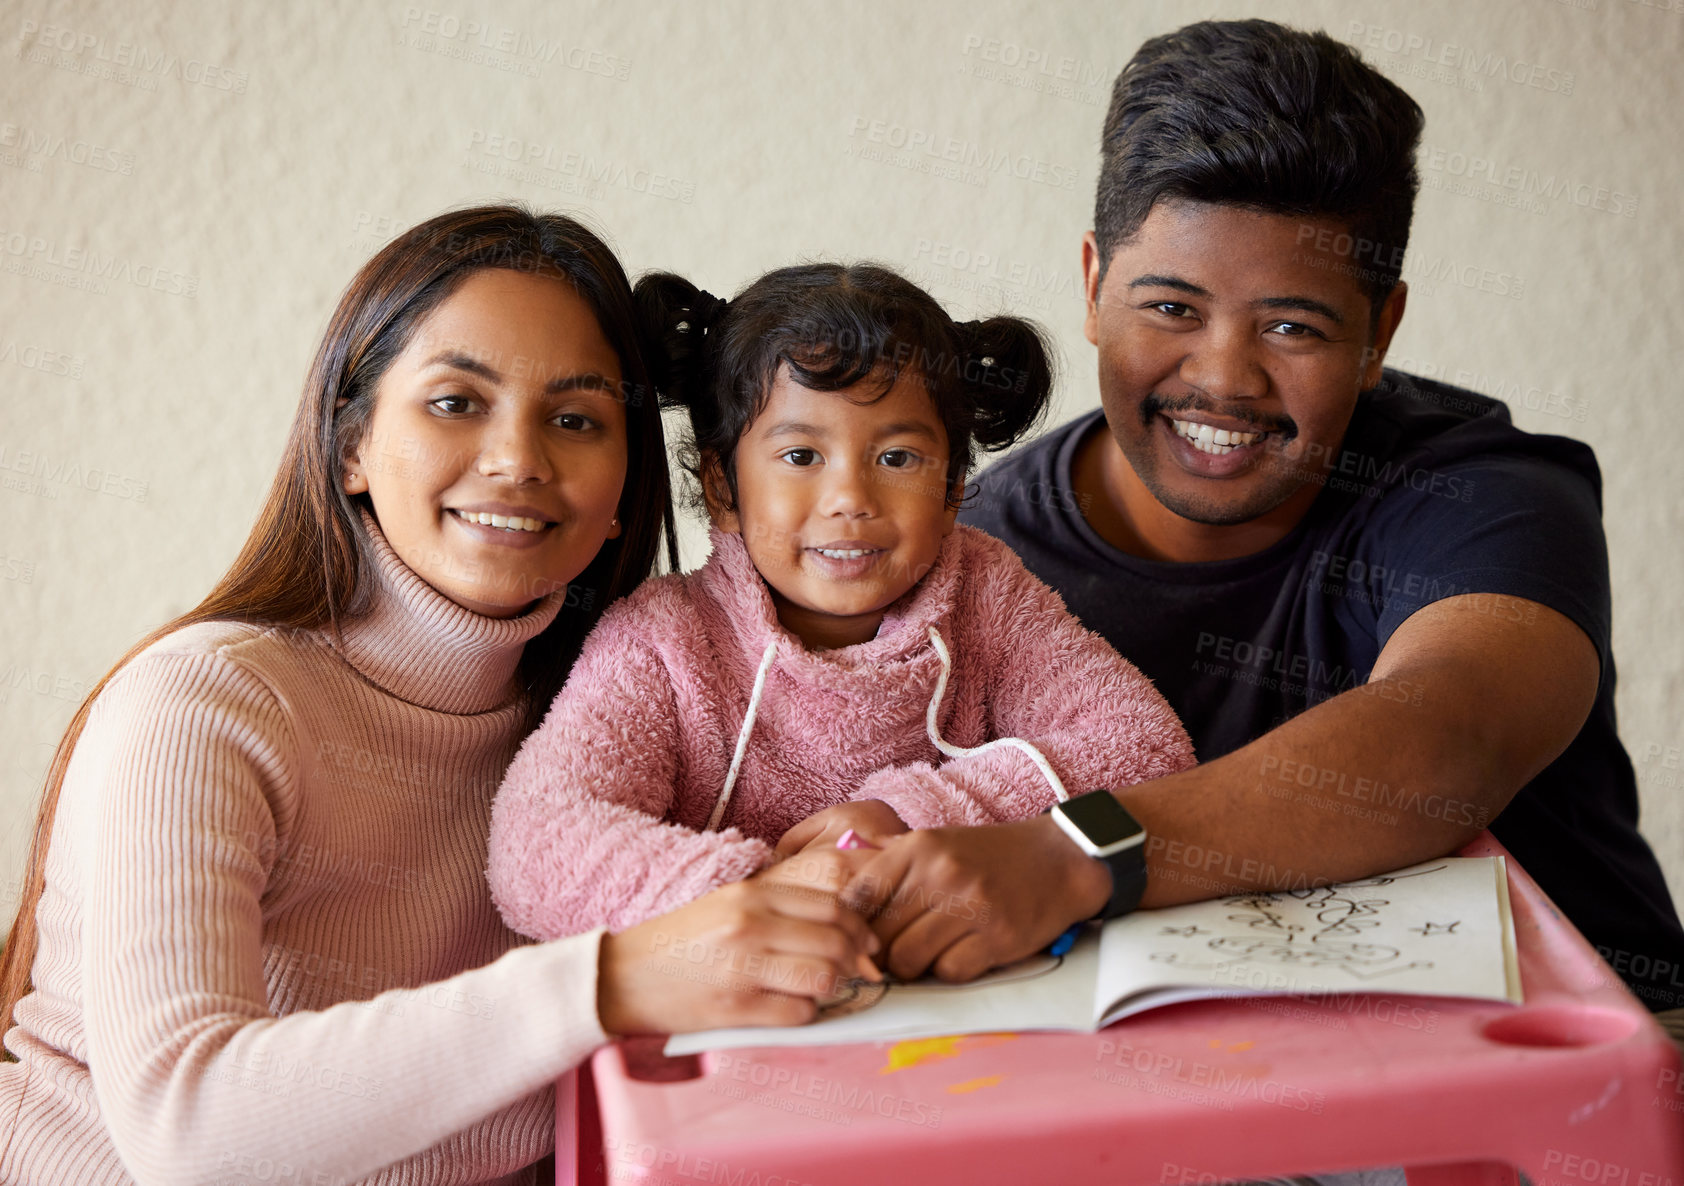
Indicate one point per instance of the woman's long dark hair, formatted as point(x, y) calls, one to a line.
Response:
point(303, 564)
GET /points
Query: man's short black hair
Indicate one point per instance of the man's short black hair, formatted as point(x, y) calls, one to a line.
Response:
point(1254, 114)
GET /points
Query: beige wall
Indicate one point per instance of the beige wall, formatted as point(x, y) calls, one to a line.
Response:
point(223, 168)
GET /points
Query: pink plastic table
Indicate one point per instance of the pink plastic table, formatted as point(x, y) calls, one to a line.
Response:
point(1577, 1087)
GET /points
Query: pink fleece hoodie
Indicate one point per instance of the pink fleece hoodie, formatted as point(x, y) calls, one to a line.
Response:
point(601, 817)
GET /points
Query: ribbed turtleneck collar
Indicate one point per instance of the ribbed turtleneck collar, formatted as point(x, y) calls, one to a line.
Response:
point(732, 580)
point(425, 649)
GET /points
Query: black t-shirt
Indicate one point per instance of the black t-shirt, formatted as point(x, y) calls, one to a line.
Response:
point(1434, 493)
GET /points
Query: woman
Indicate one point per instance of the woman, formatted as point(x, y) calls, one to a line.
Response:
point(256, 940)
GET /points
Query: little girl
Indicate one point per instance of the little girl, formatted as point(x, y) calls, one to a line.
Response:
point(845, 643)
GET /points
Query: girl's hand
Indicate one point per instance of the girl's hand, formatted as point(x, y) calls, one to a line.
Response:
point(759, 952)
point(871, 818)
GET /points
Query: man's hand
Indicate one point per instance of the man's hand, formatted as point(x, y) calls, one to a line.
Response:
point(871, 818)
point(964, 900)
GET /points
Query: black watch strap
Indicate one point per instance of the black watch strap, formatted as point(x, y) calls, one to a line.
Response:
point(1128, 882)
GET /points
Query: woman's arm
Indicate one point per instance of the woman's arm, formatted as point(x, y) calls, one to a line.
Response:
point(577, 837)
point(170, 809)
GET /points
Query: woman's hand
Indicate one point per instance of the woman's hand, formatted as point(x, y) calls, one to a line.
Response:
point(758, 952)
point(871, 818)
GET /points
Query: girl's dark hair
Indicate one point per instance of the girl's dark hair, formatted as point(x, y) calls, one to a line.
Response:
point(304, 561)
point(834, 326)
point(1251, 113)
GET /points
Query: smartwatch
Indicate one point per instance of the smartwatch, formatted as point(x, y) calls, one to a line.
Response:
point(1102, 827)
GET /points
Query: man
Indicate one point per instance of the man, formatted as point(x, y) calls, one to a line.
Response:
point(1382, 611)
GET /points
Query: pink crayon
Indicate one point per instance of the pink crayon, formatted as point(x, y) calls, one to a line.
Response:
point(852, 839)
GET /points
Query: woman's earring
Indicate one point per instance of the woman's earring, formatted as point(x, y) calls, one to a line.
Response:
point(355, 483)
point(614, 527)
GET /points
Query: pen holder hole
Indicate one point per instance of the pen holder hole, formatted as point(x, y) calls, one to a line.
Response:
point(644, 1062)
point(1560, 1025)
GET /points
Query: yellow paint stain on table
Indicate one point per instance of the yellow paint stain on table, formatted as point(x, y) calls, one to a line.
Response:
point(1217, 1044)
point(970, 1085)
point(915, 1052)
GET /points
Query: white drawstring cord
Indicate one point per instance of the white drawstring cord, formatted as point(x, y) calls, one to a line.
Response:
point(742, 736)
point(959, 751)
point(952, 751)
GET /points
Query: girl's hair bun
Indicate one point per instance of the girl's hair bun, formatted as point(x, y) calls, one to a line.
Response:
point(1008, 365)
point(678, 322)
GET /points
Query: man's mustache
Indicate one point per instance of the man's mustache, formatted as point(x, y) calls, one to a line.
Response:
point(1155, 405)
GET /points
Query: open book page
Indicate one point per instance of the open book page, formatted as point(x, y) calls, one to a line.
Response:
point(1438, 928)
point(1041, 992)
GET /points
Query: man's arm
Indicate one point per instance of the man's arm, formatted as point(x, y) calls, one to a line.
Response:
point(1469, 699)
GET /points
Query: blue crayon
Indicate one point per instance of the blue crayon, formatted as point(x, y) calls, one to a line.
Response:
point(1063, 944)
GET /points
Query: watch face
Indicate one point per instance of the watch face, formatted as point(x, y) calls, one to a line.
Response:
point(1101, 819)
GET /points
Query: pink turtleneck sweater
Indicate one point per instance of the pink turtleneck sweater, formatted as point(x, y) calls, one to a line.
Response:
point(600, 819)
point(267, 953)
